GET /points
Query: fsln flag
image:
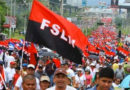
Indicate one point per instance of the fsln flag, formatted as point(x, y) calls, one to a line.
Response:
point(55, 32)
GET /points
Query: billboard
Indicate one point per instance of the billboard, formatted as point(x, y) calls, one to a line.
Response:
point(84, 3)
point(124, 3)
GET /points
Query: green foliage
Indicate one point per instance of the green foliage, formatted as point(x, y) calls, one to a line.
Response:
point(118, 22)
point(126, 30)
point(88, 31)
point(123, 25)
point(22, 12)
point(3, 10)
point(18, 36)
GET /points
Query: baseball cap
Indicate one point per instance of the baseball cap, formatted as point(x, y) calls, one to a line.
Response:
point(12, 63)
point(79, 69)
point(92, 64)
point(60, 70)
point(24, 64)
point(44, 78)
point(87, 70)
point(40, 66)
point(120, 64)
point(31, 66)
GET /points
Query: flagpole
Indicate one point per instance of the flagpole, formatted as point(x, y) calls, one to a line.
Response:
point(4, 71)
point(3, 81)
point(21, 61)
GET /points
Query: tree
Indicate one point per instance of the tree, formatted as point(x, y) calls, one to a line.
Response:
point(118, 22)
point(3, 10)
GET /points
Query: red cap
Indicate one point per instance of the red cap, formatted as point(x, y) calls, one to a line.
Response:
point(60, 70)
point(12, 62)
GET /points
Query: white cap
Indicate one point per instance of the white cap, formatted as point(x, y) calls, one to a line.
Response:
point(116, 57)
point(31, 66)
point(92, 64)
point(79, 69)
point(120, 64)
point(44, 78)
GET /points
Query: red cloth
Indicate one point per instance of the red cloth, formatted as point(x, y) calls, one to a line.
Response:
point(2, 73)
point(33, 59)
point(57, 62)
point(15, 78)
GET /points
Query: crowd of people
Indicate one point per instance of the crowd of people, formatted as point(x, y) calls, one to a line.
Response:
point(105, 66)
point(52, 73)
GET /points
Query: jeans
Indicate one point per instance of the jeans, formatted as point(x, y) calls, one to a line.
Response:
point(51, 80)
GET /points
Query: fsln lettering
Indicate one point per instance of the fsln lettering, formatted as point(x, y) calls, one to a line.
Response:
point(55, 30)
point(45, 23)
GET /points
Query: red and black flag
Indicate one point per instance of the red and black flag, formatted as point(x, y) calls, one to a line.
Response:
point(55, 32)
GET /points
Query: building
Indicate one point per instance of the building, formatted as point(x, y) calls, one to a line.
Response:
point(99, 3)
point(74, 3)
point(125, 4)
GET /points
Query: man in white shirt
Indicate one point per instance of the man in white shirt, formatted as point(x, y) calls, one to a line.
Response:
point(30, 71)
point(8, 59)
point(70, 73)
point(9, 73)
point(80, 79)
point(60, 80)
point(92, 69)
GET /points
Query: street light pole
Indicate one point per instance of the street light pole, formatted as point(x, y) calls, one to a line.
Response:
point(14, 7)
point(11, 8)
point(61, 8)
point(24, 24)
point(0, 22)
point(10, 29)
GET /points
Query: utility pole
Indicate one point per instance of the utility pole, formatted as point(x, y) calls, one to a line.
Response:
point(24, 24)
point(11, 8)
point(0, 23)
point(10, 29)
point(61, 8)
point(14, 7)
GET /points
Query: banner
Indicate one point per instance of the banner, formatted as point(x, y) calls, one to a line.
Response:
point(55, 32)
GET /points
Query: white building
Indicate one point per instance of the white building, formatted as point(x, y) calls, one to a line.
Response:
point(75, 3)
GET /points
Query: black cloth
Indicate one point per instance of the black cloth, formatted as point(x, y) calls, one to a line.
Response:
point(50, 69)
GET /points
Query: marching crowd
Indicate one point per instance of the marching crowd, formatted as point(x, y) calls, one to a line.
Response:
point(107, 67)
point(52, 73)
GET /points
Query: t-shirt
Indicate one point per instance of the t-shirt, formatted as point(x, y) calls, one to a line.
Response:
point(119, 73)
point(117, 87)
point(67, 88)
point(20, 80)
point(115, 66)
point(9, 59)
point(80, 80)
point(9, 73)
point(88, 79)
point(70, 73)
